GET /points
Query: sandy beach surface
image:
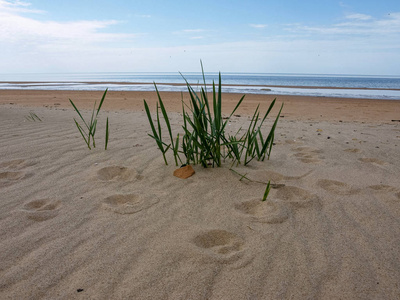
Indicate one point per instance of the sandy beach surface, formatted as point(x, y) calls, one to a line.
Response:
point(116, 224)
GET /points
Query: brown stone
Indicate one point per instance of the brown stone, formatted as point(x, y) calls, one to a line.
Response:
point(184, 172)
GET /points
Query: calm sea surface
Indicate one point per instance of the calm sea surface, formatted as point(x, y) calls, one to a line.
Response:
point(375, 87)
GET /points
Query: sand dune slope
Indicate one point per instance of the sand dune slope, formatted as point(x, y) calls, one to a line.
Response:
point(115, 224)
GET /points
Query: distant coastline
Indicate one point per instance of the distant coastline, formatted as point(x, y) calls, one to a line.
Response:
point(339, 86)
point(312, 91)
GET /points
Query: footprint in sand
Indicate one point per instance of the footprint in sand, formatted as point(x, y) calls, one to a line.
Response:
point(297, 197)
point(386, 190)
point(117, 173)
point(337, 187)
point(270, 212)
point(9, 177)
point(224, 244)
point(382, 188)
point(308, 155)
point(372, 161)
point(12, 171)
point(42, 209)
point(129, 204)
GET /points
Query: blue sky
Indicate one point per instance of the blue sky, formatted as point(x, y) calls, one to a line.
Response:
point(285, 36)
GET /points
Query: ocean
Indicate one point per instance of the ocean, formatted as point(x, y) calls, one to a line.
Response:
point(349, 86)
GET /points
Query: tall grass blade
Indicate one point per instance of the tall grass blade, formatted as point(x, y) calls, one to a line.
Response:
point(79, 113)
point(107, 135)
point(166, 119)
point(270, 137)
point(101, 101)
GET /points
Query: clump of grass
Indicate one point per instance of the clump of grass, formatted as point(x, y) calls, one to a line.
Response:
point(89, 130)
point(205, 140)
point(33, 117)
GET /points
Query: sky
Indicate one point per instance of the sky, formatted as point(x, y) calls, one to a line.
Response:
point(253, 36)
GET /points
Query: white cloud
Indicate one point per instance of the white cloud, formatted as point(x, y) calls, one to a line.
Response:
point(18, 29)
point(16, 6)
point(258, 25)
point(361, 17)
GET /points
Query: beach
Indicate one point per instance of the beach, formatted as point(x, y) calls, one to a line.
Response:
point(296, 107)
point(116, 224)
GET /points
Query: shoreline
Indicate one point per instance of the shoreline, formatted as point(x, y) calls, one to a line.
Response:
point(295, 107)
point(50, 83)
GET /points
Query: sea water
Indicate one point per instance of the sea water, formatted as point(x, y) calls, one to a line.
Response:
point(352, 86)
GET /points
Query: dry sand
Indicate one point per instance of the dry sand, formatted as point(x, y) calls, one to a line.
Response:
point(116, 224)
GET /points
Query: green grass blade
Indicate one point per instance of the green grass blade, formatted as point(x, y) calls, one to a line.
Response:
point(271, 133)
point(267, 191)
point(161, 142)
point(101, 101)
point(107, 135)
point(79, 113)
point(166, 119)
point(176, 151)
point(82, 133)
point(204, 77)
point(236, 107)
point(92, 118)
point(153, 129)
point(93, 132)
point(271, 143)
point(34, 117)
point(269, 109)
